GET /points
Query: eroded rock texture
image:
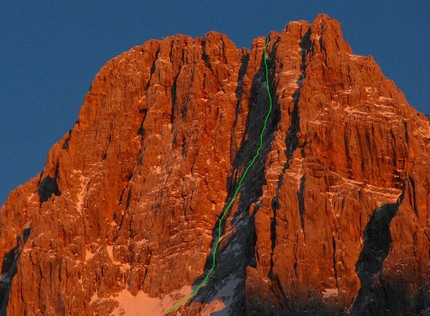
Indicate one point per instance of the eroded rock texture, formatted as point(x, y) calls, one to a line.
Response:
point(333, 218)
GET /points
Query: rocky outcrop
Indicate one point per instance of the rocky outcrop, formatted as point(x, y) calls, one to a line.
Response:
point(332, 218)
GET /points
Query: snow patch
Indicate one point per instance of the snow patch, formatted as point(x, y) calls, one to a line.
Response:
point(4, 278)
point(214, 306)
point(379, 194)
point(110, 252)
point(317, 122)
point(290, 73)
point(80, 196)
point(234, 248)
point(329, 293)
point(30, 197)
point(370, 89)
point(142, 304)
point(345, 92)
point(125, 267)
point(89, 255)
point(351, 110)
point(355, 57)
point(222, 299)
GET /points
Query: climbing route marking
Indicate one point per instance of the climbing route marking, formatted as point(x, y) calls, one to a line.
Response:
point(239, 185)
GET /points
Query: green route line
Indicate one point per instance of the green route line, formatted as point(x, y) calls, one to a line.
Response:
point(235, 193)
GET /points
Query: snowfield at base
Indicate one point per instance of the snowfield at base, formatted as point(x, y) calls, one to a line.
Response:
point(214, 306)
point(142, 304)
point(223, 299)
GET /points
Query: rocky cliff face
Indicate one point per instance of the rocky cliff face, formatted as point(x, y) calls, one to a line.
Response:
point(332, 218)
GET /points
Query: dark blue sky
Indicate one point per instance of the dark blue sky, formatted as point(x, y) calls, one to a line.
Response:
point(51, 51)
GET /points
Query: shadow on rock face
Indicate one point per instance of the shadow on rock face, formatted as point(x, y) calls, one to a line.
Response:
point(47, 187)
point(379, 296)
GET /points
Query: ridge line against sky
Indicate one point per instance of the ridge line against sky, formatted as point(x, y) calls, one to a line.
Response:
point(51, 52)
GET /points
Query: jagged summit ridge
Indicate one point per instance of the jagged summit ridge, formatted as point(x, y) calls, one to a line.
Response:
point(127, 204)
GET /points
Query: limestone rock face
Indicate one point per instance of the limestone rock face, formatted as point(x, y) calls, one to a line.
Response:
point(332, 218)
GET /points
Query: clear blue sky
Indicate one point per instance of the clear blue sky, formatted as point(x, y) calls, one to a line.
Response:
point(50, 52)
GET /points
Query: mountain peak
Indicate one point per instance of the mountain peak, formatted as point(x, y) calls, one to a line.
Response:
point(331, 215)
